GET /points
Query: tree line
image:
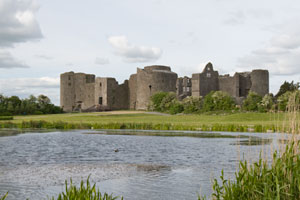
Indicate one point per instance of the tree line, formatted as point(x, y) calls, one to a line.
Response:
point(217, 101)
point(29, 106)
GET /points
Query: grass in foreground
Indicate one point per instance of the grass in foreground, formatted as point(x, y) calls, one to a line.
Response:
point(84, 192)
point(261, 181)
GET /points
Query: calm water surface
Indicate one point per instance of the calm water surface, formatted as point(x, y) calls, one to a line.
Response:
point(35, 165)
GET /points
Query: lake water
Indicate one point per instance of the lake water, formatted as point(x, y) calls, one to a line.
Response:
point(36, 165)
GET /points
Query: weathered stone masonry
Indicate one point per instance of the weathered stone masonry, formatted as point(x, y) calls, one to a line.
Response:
point(85, 92)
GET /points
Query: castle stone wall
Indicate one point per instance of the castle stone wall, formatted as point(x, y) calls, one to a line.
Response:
point(229, 84)
point(260, 82)
point(67, 91)
point(153, 79)
point(132, 91)
point(85, 92)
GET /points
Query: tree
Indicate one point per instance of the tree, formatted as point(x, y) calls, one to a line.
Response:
point(251, 103)
point(286, 86)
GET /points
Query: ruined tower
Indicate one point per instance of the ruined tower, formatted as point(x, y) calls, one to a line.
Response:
point(150, 80)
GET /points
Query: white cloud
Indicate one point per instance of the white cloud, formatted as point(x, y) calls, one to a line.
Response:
point(280, 56)
point(7, 61)
point(101, 61)
point(18, 22)
point(132, 53)
point(23, 87)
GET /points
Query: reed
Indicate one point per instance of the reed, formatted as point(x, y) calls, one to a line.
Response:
point(260, 180)
point(85, 191)
point(42, 124)
point(3, 197)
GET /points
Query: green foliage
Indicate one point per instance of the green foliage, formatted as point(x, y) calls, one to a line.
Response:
point(84, 192)
point(252, 102)
point(218, 100)
point(287, 87)
point(6, 117)
point(283, 100)
point(192, 104)
point(266, 103)
point(165, 102)
point(15, 106)
point(156, 100)
point(280, 180)
point(176, 107)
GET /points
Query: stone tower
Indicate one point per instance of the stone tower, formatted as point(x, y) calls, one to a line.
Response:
point(76, 91)
point(147, 82)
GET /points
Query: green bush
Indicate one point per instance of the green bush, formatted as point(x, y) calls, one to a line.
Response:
point(252, 102)
point(176, 107)
point(284, 100)
point(279, 180)
point(192, 104)
point(156, 100)
point(266, 103)
point(167, 102)
point(218, 100)
point(84, 192)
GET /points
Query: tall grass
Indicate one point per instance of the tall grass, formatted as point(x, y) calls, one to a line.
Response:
point(84, 192)
point(279, 180)
point(41, 124)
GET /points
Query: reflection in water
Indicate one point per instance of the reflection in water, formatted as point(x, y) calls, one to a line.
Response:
point(253, 141)
point(34, 165)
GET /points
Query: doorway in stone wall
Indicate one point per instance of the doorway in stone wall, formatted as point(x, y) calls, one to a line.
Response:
point(100, 100)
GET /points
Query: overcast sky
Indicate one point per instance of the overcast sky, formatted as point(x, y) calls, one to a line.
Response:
point(40, 39)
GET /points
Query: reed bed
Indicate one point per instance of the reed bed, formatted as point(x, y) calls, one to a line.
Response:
point(262, 180)
point(6, 118)
point(84, 192)
point(42, 124)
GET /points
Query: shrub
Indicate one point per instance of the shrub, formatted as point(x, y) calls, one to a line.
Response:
point(156, 100)
point(266, 103)
point(167, 102)
point(252, 102)
point(176, 107)
point(192, 104)
point(218, 100)
point(283, 100)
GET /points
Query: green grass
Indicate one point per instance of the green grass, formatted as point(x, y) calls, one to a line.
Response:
point(83, 192)
point(6, 117)
point(279, 180)
point(257, 122)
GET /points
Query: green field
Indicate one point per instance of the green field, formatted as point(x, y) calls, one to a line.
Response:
point(245, 119)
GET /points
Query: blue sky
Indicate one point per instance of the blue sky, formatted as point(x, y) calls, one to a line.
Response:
point(40, 39)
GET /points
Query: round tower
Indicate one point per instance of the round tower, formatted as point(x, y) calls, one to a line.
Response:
point(260, 81)
point(153, 79)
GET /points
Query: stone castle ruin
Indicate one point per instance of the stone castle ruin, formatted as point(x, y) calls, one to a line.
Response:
point(86, 92)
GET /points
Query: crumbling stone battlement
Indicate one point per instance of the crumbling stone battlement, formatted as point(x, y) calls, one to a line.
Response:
point(86, 92)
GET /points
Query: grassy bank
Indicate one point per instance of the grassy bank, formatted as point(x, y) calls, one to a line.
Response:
point(241, 122)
